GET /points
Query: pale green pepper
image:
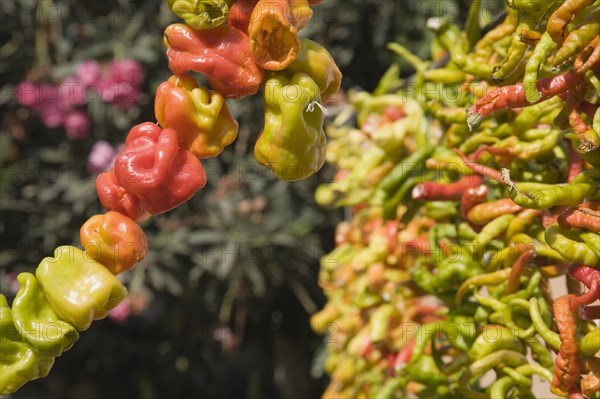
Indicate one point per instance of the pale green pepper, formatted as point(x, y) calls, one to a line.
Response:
point(36, 321)
point(78, 288)
point(292, 143)
point(19, 361)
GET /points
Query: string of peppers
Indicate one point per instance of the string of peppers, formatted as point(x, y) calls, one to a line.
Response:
point(240, 46)
point(458, 221)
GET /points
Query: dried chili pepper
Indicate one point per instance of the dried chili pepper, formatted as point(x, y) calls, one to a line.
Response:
point(201, 14)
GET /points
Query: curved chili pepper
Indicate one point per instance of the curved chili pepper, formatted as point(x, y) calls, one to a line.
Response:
point(593, 58)
point(430, 191)
point(114, 240)
point(222, 54)
point(292, 143)
point(540, 54)
point(493, 278)
point(585, 274)
point(577, 40)
point(521, 221)
point(579, 216)
point(557, 23)
point(201, 14)
point(514, 96)
point(273, 31)
point(483, 213)
point(517, 270)
point(568, 243)
point(200, 117)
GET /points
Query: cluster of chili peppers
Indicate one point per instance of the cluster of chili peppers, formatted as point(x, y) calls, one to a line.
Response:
point(458, 221)
point(240, 46)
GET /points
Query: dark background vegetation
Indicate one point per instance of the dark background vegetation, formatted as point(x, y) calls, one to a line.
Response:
point(220, 307)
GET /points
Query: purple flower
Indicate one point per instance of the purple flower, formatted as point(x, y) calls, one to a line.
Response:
point(126, 71)
point(28, 94)
point(88, 72)
point(101, 157)
point(77, 124)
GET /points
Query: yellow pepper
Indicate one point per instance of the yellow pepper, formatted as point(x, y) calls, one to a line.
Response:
point(292, 143)
point(200, 117)
point(78, 288)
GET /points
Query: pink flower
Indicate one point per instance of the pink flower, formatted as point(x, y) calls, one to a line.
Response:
point(126, 71)
point(123, 95)
point(50, 113)
point(88, 72)
point(71, 93)
point(28, 94)
point(77, 124)
point(121, 312)
point(101, 158)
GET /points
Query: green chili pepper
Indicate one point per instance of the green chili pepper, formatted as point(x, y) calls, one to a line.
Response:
point(508, 317)
point(551, 338)
point(543, 196)
point(540, 54)
point(492, 339)
point(570, 246)
point(394, 179)
point(590, 343)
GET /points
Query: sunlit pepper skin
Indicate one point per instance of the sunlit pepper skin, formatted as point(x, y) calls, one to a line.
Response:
point(201, 14)
point(153, 168)
point(114, 240)
point(114, 197)
point(273, 31)
point(19, 361)
point(200, 117)
point(78, 288)
point(314, 60)
point(36, 321)
point(292, 143)
point(222, 54)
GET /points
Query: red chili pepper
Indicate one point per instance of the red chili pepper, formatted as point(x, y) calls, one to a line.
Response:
point(221, 53)
point(514, 96)
point(518, 267)
point(579, 217)
point(431, 191)
point(587, 275)
point(575, 164)
point(153, 169)
point(470, 198)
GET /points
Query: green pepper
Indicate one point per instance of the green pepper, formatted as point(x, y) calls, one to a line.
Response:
point(19, 361)
point(292, 143)
point(315, 61)
point(201, 14)
point(36, 321)
point(78, 288)
point(494, 338)
point(570, 246)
